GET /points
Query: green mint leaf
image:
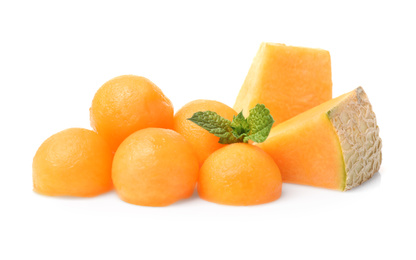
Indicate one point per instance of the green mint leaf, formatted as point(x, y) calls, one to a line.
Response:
point(255, 127)
point(240, 126)
point(260, 122)
point(215, 124)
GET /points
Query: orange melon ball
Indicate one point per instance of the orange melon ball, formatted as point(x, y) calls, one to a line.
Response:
point(73, 162)
point(239, 174)
point(126, 104)
point(203, 142)
point(155, 167)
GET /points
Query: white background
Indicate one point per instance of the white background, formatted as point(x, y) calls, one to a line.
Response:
point(54, 56)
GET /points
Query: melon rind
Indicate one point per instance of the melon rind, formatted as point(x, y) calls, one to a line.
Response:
point(358, 133)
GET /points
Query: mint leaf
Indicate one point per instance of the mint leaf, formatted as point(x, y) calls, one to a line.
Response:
point(215, 124)
point(260, 122)
point(255, 127)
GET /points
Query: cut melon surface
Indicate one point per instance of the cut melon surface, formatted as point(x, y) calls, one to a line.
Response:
point(335, 145)
point(288, 80)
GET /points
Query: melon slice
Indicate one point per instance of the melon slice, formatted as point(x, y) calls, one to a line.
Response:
point(287, 80)
point(335, 145)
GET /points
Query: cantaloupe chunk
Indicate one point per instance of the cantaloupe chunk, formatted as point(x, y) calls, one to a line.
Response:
point(287, 80)
point(335, 145)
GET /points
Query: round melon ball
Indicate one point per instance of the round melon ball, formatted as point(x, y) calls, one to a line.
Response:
point(73, 162)
point(126, 104)
point(155, 167)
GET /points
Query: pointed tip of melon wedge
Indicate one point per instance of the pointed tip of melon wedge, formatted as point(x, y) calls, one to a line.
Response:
point(356, 126)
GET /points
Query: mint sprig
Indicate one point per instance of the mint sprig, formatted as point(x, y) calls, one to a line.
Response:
point(255, 127)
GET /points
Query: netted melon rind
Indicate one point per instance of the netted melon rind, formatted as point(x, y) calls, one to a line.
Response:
point(356, 126)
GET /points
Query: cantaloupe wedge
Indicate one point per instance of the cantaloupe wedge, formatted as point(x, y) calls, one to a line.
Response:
point(335, 145)
point(287, 80)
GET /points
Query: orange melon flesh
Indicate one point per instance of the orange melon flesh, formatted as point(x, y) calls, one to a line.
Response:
point(335, 145)
point(287, 80)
